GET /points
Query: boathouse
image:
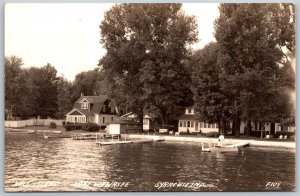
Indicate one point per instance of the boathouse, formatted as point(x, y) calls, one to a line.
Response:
point(122, 126)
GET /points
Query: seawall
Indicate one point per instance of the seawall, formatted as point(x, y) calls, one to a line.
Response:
point(252, 142)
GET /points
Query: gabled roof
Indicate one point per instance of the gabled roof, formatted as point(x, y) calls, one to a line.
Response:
point(96, 103)
point(83, 112)
point(93, 99)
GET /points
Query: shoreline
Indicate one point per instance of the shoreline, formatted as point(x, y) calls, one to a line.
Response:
point(173, 138)
point(252, 142)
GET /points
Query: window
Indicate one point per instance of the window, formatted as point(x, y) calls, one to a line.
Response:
point(104, 108)
point(192, 123)
point(204, 125)
point(75, 119)
point(189, 111)
point(145, 122)
point(112, 118)
point(188, 123)
point(180, 123)
point(217, 126)
point(84, 105)
point(103, 119)
point(184, 123)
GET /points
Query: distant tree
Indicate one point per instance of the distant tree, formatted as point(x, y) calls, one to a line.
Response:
point(13, 85)
point(42, 91)
point(64, 97)
point(89, 83)
point(146, 47)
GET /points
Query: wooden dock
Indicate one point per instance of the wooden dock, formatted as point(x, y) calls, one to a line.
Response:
point(101, 143)
point(84, 137)
point(238, 145)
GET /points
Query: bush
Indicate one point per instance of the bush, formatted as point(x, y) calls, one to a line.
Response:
point(52, 125)
point(70, 127)
point(63, 123)
point(212, 134)
point(90, 127)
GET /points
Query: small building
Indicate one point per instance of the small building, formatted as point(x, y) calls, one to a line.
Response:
point(95, 109)
point(189, 122)
point(123, 126)
point(149, 123)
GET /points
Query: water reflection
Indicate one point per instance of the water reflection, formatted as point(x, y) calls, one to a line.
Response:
point(31, 159)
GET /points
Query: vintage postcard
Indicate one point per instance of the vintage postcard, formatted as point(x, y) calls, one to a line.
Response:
point(178, 97)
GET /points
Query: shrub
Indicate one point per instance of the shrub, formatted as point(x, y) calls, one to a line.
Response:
point(212, 134)
point(52, 125)
point(90, 127)
point(70, 127)
point(63, 123)
point(102, 127)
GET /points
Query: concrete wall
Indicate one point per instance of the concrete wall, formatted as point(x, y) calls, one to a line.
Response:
point(32, 122)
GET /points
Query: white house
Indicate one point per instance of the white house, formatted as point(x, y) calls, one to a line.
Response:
point(189, 122)
point(94, 109)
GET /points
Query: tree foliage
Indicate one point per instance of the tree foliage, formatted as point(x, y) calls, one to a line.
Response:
point(246, 75)
point(89, 83)
point(146, 45)
point(13, 85)
point(64, 97)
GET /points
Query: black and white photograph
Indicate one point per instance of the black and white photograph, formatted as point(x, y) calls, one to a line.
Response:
point(149, 97)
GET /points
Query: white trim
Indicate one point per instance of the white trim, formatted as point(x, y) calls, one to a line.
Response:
point(83, 100)
point(73, 110)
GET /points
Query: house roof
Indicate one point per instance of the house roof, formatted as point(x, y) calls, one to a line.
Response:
point(96, 103)
point(84, 112)
point(125, 121)
point(189, 117)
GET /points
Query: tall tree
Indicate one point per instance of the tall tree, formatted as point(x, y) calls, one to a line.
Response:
point(64, 97)
point(88, 83)
point(43, 84)
point(250, 40)
point(210, 100)
point(13, 86)
point(146, 46)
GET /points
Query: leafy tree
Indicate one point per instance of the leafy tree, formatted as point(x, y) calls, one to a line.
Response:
point(210, 100)
point(88, 83)
point(13, 85)
point(42, 91)
point(250, 40)
point(64, 97)
point(146, 46)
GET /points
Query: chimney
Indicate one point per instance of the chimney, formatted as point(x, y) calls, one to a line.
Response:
point(81, 95)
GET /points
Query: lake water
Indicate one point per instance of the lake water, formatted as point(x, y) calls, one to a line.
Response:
point(63, 164)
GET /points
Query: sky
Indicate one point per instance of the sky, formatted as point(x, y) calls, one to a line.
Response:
point(68, 35)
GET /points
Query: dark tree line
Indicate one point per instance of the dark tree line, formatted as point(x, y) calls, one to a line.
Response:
point(32, 92)
point(149, 67)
